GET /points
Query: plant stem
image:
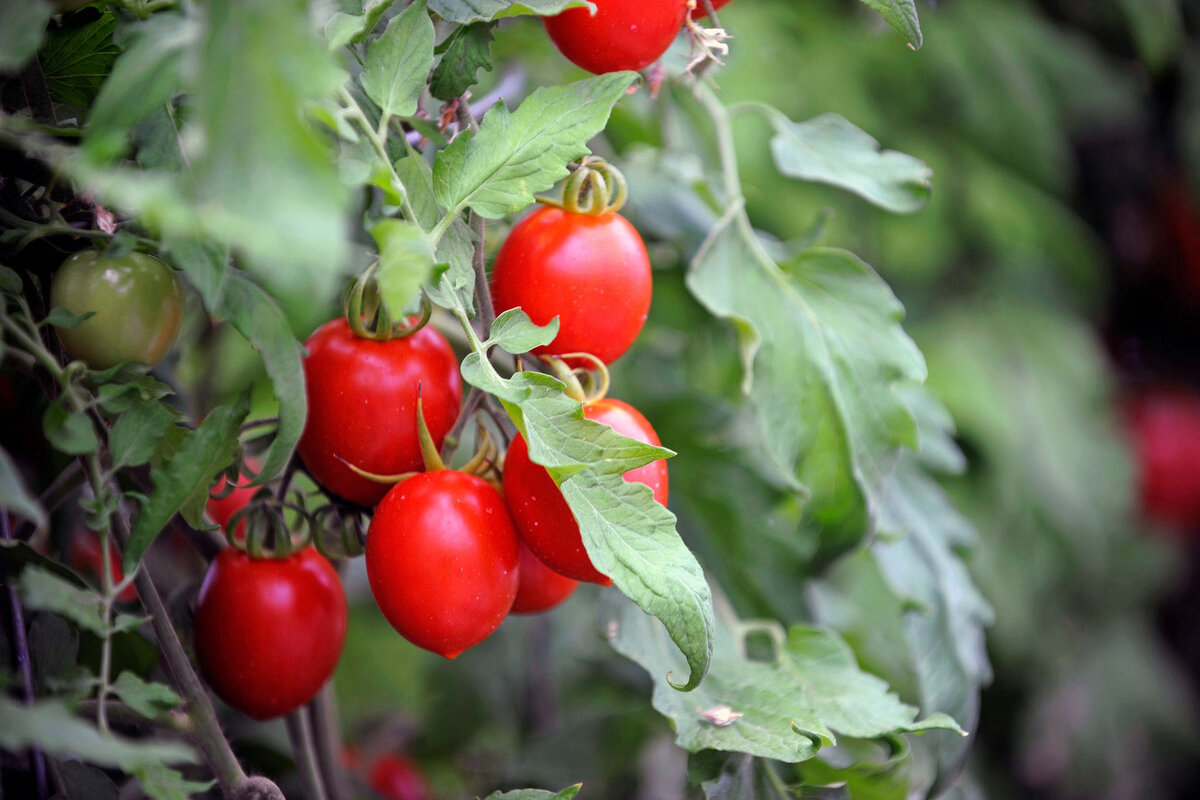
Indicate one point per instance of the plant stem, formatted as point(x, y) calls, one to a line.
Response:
point(726, 151)
point(300, 736)
point(483, 293)
point(37, 759)
point(378, 144)
point(327, 737)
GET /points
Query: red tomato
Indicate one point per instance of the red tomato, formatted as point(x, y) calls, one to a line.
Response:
point(442, 559)
point(221, 509)
point(700, 13)
point(83, 555)
point(397, 778)
point(623, 34)
point(592, 272)
point(1166, 431)
point(268, 631)
point(543, 517)
point(539, 588)
point(362, 405)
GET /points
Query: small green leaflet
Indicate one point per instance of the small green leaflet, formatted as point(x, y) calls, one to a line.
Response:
point(830, 150)
point(14, 496)
point(181, 484)
point(901, 15)
point(398, 62)
point(405, 263)
point(455, 286)
point(498, 170)
point(514, 332)
point(464, 53)
point(823, 353)
point(22, 28)
point(484, 10)
point(785, 709)
point(47, 591)
point(75, 60)
point(343, 28)
point(148, 699)
point(537, 794)
point(135, 436)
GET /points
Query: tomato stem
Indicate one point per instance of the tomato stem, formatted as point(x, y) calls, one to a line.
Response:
point(429, 452)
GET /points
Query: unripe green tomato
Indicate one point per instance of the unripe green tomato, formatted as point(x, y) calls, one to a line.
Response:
point(138, 305)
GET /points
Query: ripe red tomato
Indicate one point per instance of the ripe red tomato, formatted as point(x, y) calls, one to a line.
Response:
point(221, 509)
point(442, 560)
point(362, 405)
point(623, 34)
point(83, 555)
point(592, 272)
point(1166, 432)
point(543, 517)
point(539, 588)
point(397, 778)
point(268, 631)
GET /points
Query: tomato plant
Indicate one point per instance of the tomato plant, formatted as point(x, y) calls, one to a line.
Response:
point(83, 555)
point(543, 517)
point(442, 558)
point(223, 503)
point(135, 302)
point(622, 34)
point(362, 405)
point(269, 631)
point(539, 587)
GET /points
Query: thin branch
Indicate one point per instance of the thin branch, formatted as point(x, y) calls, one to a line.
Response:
point(301, 739)
point(327, 738)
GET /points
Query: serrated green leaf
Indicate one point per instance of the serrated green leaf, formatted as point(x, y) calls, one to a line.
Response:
point(130, 390)
point(405, 264)
point(497, 170)
point(22, 28)
point(48, 725)
point(398, 62)
point(343, 28)
point(144, 77)
point(181, 484)
point(464, 53)
point(464, 11)
point(786, 708)
point(823, 353)
point(136, 434)
point(69, 432)
point(537, 794)
point(829, 149)
point(47, 591)
point(75, 60)
point(147, 699)
point(455, 286)
point(901, 15)
point(163, 783)
point(205, 263)
point(14, 496)
point(514, 332)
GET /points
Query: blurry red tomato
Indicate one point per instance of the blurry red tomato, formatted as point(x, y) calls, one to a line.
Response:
point(1166, 432)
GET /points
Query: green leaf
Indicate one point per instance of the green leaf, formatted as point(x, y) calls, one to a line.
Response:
point(901, 15)
point(22, 28)
point(143, 78)
point(47, 591)
point(128, 389)
point(48, 725)
point(464, 53)
point(785, 707)
point(514, 332)
point(71, 433)
point(76, 59)
point(464, 11)
point(537, 794)
point(14, 496)
point(10, 281)
point(258, 318)
point(497, 170)
point(828, 149)
point(136, 434)
point(181, 484)
point(205, 263)
point(405, 263)
point(15, 556)
point(1157, 28)
point(163, 783)
point(148, 699)
point(343, 28)
point(455, 286)
point(398, 62)
point(823, 353)
point(61, 318)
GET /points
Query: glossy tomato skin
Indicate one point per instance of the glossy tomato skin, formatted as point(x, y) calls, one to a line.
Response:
point(1166, 433)
point(397, 778)
point(221, 509)
point(362, 405)
point(138, 305)
point(539, 587)
point(623, 34)
point(268, 632)
point(592, 272)
point(543, 517)
point(442, 558)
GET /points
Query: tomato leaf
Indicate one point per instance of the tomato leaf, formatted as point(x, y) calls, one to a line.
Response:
point(828, 149)
point(537, 794)
point(398, 62)
point(464, 53)
point(48, 591)
point(514, 332)
point(134, 438)
point(181, 484)
point(163, 783)
point(76, 58)
point(22, 28)
point(484, 10)
point(810, 692)
point(146, 698)
point(901, 15)
point(343, 28)
point(823, 353)
point(14, 496)
point(455, 286)
point(497, 170)
point(69, 432)
point(405, 263)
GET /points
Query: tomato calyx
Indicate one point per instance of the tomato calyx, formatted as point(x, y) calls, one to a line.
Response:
point(707, 44)
point(369, 317)
point(580, 383)
point(594, 187)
